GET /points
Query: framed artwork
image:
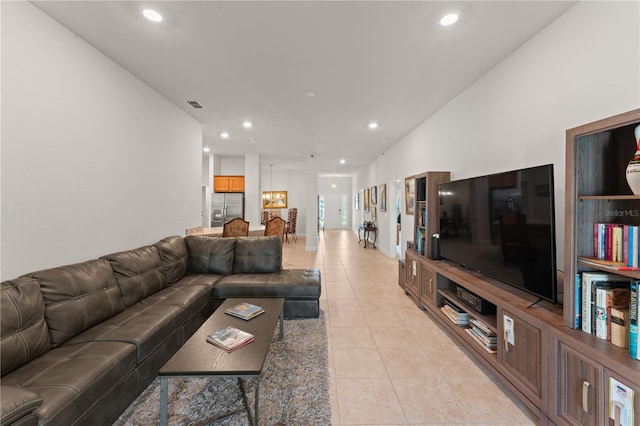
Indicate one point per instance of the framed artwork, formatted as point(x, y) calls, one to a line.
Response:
point(374, 216)
point(374, 195)
point(366, 199)
point(410, 195)
point(383, 197)
point(274, 199)
point(356, 201)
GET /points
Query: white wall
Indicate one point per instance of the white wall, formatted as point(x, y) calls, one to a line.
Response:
point(582, 67)
point(292, 181)
point(93, 160)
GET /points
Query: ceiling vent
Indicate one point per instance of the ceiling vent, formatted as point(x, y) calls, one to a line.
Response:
point(195, 104)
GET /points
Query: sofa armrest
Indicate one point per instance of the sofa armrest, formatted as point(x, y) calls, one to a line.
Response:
point(17, 403)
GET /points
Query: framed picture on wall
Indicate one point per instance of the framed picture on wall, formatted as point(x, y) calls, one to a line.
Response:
point(410, 194)
point(366, 199)
point(356, 201)
point(383, 197)
point(274, 199)
point(374, 216)
point(374, 195)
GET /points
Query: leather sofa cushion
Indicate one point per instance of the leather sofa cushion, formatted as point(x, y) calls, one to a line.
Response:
point(76, 297)
point(139, 273)
point(257, 255)
point(23, 330)
point(150, 322)
point(174, 257)
point(289, 283)
point(18, 404)
point(209, 255)
point(70, 378)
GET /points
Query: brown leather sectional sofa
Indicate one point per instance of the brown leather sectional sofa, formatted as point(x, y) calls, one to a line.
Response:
point(80, 342)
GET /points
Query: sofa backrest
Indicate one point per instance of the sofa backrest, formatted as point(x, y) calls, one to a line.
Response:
point(257, 255)
point(23, 331)
point(210, 255)
point(139, 273)
point(76, 297)
point(174, 257)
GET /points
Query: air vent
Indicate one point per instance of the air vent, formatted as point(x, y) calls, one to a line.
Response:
point(195, 104)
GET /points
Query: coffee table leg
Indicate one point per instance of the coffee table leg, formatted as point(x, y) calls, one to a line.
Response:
point(256, 405)
point(164, 390)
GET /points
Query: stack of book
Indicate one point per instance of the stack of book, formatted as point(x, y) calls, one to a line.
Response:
point(455, 314)
point(483, 335)
point(244, 310)
point(230, 338)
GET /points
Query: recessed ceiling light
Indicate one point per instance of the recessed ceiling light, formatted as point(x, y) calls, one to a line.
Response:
point(448, 19)
point(152, 15)
point(373, 125)
point(247, 124)
point(224, 135)
point(310, 93)
point(342, 161)
point(206, 149)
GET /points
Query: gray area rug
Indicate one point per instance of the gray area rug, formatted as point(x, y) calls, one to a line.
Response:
point(294, 387)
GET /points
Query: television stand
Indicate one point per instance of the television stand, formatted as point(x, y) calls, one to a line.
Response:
point(522, 365)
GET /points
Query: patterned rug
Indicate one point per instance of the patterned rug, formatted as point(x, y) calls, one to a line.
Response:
point(294, 388)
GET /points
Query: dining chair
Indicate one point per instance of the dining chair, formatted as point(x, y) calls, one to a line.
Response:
point(236, 227)
point(275, 226)
point(291, 224)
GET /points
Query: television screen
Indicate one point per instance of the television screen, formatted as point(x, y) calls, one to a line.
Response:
point(503, 226)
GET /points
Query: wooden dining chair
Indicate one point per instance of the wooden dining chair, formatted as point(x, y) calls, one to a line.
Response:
point(291, 224)
point(275, 226)
point(236, 227)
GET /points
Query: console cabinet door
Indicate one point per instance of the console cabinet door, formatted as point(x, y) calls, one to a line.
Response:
point(412, 268)
point(579, 387)
point(611, 413)
point(522, 360)
point(428, 287)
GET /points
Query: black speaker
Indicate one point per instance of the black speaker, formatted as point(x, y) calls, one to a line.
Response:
point(435, 247)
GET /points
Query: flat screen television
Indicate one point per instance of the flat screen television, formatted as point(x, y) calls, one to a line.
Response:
point(503, 225)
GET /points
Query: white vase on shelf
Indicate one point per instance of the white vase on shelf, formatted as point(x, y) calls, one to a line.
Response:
point(633, 168)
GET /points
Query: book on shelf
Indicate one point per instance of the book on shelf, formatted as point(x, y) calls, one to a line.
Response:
point(577, 291)
point(482, 327)
point(245, 310)
point(491, 348)
point(616, 243)
point(588, 292)
point(455, 314)
point(620, 327)
point(608, 296)
point(633, 321)
point(230, 338)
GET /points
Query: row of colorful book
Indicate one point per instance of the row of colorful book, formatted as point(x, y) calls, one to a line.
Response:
point(607, 307)
point(617, 243)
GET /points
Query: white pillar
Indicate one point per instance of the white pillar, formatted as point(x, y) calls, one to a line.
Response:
point(207, 188)
point(252, 196)
point(311, 201)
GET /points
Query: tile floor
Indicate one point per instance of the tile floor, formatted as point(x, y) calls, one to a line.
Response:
point(389, 363)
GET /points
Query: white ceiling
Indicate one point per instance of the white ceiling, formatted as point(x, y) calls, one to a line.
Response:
point(388, 61)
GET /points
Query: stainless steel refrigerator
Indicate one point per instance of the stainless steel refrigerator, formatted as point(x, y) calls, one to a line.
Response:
point(226, 206)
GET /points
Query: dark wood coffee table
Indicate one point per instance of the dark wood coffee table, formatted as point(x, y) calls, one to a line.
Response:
point(198, 358)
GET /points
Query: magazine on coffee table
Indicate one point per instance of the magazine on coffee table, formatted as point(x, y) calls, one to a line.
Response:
point(230, 338)
point(244, 310)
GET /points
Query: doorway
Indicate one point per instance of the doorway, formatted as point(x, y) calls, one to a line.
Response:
point(334, 211)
